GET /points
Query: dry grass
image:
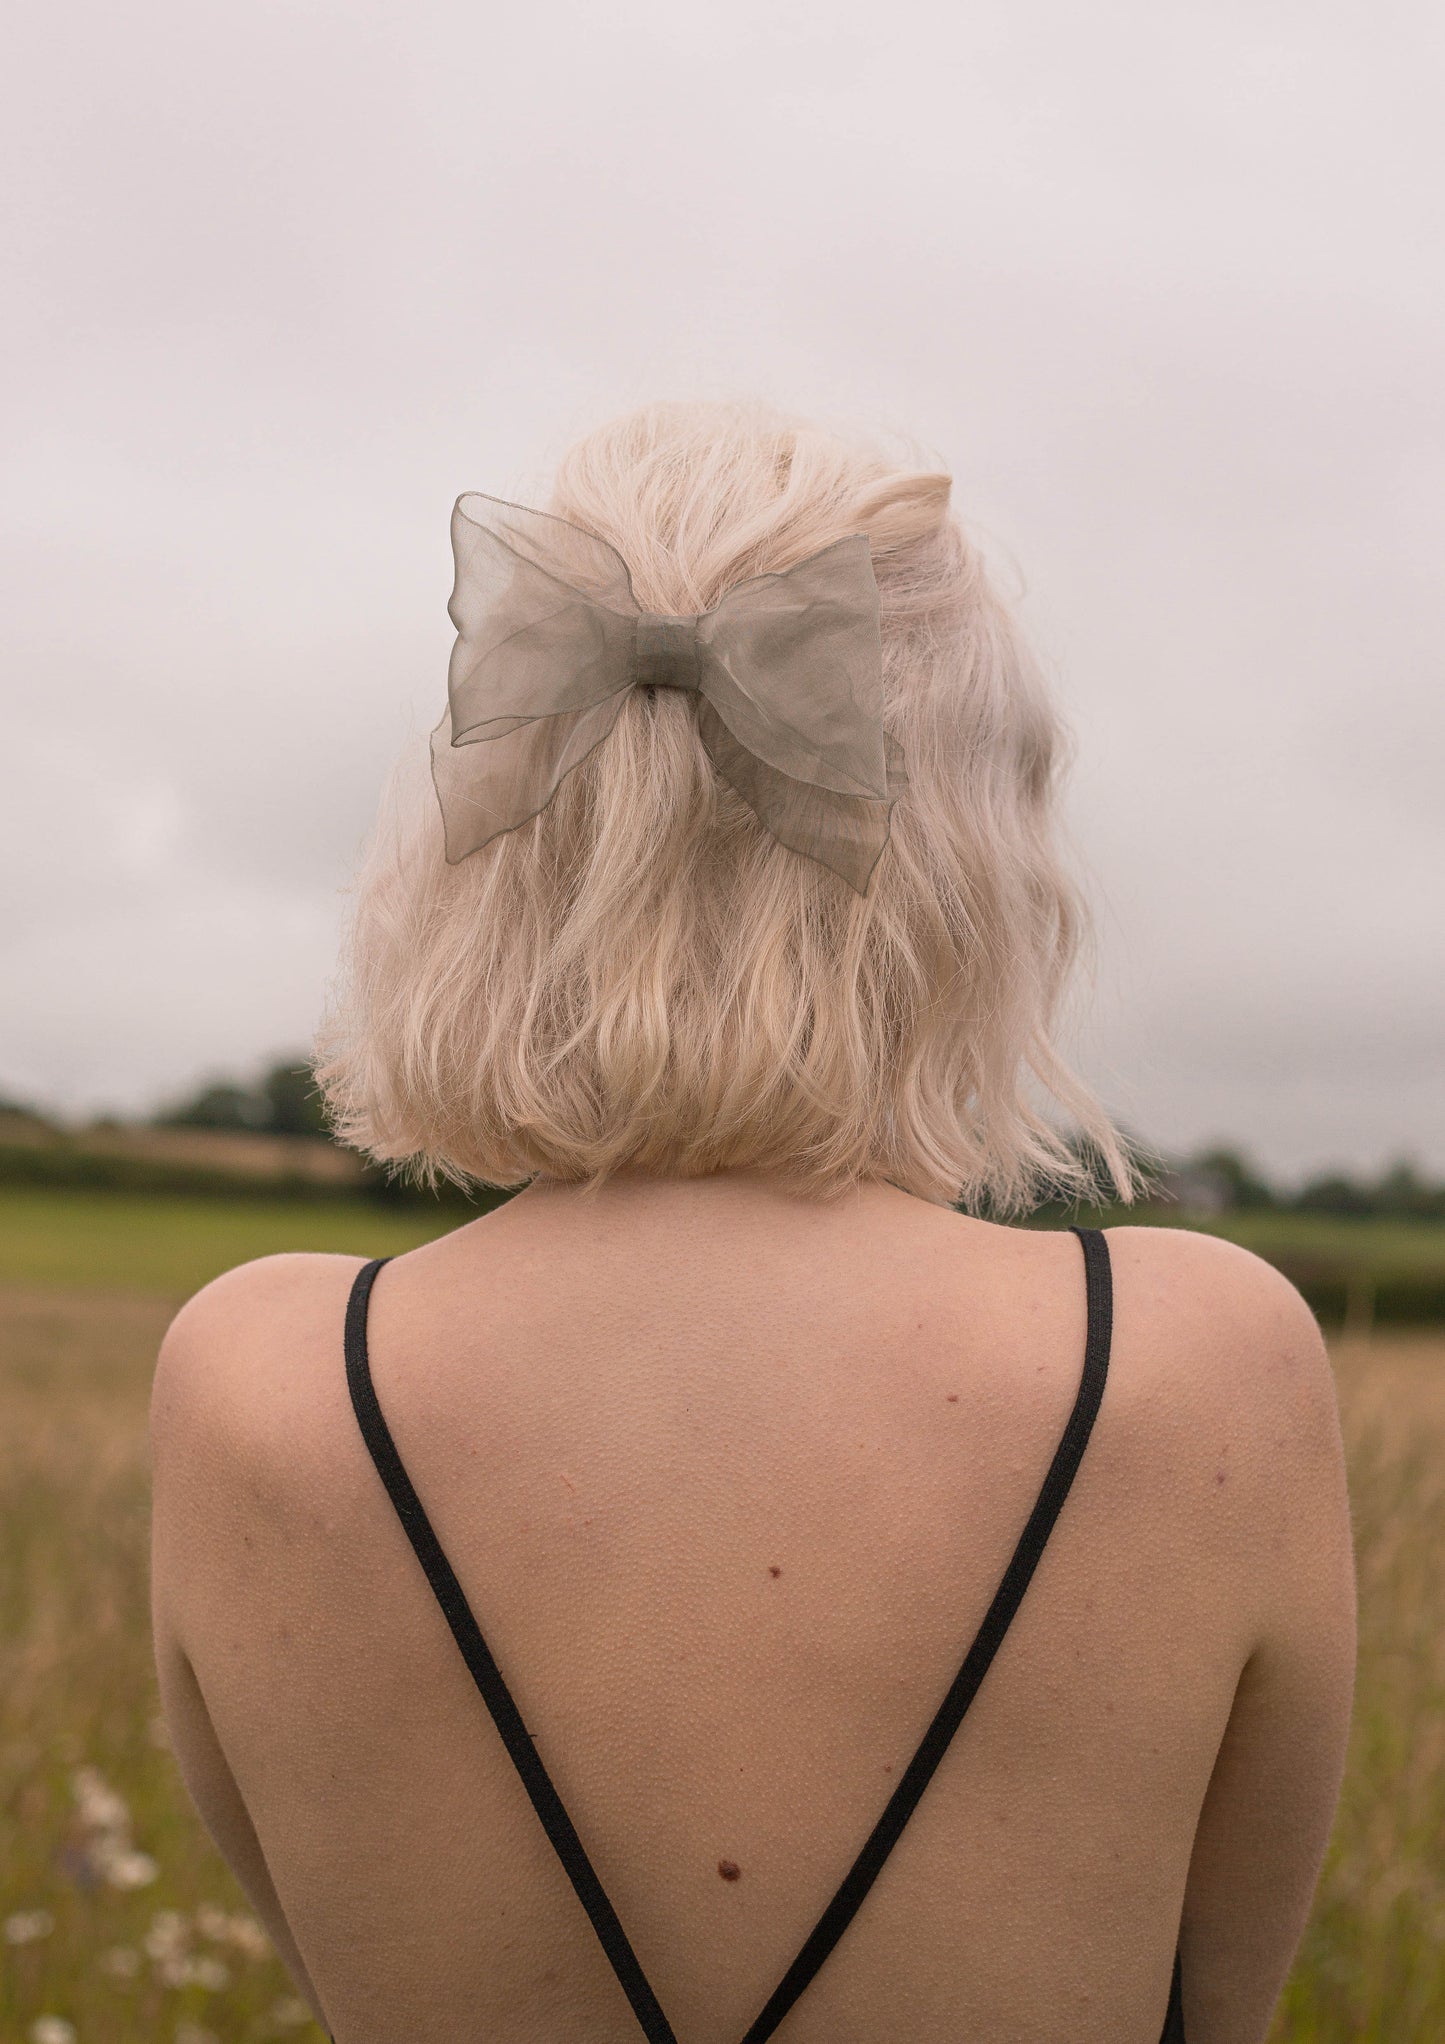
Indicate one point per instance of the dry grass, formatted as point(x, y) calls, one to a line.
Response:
point(118, 1916)
point(131, 1930)
point(1372, 1968)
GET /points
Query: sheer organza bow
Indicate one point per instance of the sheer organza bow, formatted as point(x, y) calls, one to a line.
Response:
point(787, 671)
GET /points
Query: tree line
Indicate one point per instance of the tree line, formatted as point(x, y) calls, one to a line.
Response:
point(284, 1101)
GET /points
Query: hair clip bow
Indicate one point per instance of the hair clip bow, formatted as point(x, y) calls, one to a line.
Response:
point(787, 670)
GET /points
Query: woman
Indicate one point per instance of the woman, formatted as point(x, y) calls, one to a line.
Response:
point(727, 1588)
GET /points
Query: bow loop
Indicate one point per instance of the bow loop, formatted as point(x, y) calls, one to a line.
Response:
point(788, 669)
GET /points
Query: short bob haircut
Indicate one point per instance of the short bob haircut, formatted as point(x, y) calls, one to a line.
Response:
point(641, 979)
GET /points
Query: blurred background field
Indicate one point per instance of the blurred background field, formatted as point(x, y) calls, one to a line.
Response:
point(245, 1166)
point(120, 1922)
point(1354, 1272)
point(170, 1246)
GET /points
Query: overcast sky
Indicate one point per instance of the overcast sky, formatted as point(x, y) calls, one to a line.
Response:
point(1163, 287)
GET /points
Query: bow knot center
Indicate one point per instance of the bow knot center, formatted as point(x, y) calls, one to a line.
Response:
point(665, 651)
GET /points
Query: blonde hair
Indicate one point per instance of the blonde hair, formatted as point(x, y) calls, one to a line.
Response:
point(640, 978)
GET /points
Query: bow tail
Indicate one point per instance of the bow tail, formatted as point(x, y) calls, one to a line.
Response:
point(489, 784)
point(846, 833)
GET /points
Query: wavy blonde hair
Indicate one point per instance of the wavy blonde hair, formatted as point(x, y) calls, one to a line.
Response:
point(640, 978)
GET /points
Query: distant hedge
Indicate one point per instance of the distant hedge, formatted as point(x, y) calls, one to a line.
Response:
point(1353, 1273)
point(1359, 1297)
point(68, 1167)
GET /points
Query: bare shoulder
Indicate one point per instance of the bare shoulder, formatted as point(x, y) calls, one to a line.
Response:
point(1232, 1326)
point(248, 1345)
point(1205, 1282)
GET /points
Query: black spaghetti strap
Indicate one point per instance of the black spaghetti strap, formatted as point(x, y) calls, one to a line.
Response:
point(920, 1770)
point(485, 1672)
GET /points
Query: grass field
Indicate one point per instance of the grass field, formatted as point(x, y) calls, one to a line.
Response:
point(169, 1245)
point(118, 1922)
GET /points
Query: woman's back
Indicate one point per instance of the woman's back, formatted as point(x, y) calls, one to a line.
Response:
point(729, 1477)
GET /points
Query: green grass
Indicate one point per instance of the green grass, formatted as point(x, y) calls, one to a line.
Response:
point(1406, 1247)
point(1351, 1272)
point(1367, 1244)
point(166, 1246)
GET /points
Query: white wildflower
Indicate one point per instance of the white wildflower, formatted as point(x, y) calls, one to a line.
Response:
point(179, 1969)
point(248, 1937)
point(101, 1809)
point(52, 2030)
point(166, 1938)
point(27, 1925)
point(290, 2014)
point(108, 1848)
point(241, 1930)
point(122, 1962)
point(130, 1869)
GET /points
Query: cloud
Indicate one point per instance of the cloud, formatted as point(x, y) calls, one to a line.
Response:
point(1165, 292)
